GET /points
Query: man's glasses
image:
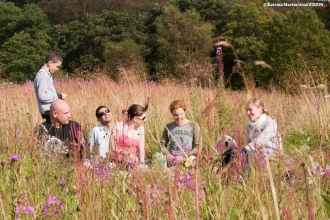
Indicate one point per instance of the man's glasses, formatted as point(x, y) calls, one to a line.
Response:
point(103, 113)
point(144, 118)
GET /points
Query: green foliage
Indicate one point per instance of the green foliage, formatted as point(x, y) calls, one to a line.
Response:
point(326, 204)
point(245, 32)
point(298, 138)
point(9, 16)
point(182, 38)
point(125, 54)
point(23, 55)
point(83, 43)
point(30, 19)
point(25, 40)
point(297, 41)
point(324, 15)
point(33, 21)
point(63, 11)
point(213, 11)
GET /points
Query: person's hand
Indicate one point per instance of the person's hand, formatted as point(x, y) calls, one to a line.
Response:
point(87, 164)
point(233, 143)
point(170, 158)
point(193, 152)
point(64, 95)
point(247, 147)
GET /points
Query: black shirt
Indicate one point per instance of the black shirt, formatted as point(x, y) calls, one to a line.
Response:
point(71, 134)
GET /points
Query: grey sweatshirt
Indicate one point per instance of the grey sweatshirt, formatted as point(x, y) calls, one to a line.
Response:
point(263, 136)
point(45, 90)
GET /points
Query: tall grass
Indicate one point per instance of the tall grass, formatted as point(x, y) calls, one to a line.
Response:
point(36, 187)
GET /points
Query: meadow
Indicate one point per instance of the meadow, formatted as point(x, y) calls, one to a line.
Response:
point(34, 186)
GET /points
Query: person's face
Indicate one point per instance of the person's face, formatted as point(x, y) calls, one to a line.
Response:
point(179, 116)
point(106, 115)
point(140, 119)
point(253, 112)
point(62, 115)
point(53, 67)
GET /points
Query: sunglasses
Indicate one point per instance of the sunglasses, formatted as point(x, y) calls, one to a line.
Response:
point(103, 113)
point(144, 118)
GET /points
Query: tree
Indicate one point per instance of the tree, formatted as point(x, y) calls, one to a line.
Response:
point(245, 31)
point(23, 55)
point(213, 11)
point(125, 54)
point(9, 16)
point(25, 40)
point(64, 11)
point(182, 38)
point(296, 42)
point(324, 15)
point(83, 43)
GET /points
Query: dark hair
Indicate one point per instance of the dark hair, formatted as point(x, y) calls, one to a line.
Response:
point(98, 109)
point(177, 104)
point(136, 110)
point(54, 57)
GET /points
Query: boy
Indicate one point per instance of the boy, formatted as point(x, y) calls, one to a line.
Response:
point(43, 84)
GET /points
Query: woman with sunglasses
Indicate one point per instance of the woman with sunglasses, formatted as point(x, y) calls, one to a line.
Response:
point(128, 137)
point(99, 136)
point(182, 134)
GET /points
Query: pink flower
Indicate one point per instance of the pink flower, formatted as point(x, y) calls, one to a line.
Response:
point(14, 157)
point(62, 181)
point(52, 200)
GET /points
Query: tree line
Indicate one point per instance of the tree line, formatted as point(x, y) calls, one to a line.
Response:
point(164, 38)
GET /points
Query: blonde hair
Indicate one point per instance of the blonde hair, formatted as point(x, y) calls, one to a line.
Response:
point(259, 104)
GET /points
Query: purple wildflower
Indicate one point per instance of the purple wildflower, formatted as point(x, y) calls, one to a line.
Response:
point(195, 79)
point(155, 193)
point(56, 213)
point(218, 50)
point(30, 210)
point(327, 170)
point(62, 181)
point(45, 210)
point(96, 166)
point(14, 157)
point(188, 176)
point(24, 210)
point(17, 210)
point(52, 200)
point(61, 205)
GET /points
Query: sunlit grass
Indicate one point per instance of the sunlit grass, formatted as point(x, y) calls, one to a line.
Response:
point(34, 181)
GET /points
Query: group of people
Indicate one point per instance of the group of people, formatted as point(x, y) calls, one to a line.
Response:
point(124, 141)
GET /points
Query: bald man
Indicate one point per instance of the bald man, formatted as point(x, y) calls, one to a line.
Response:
point(60, 125)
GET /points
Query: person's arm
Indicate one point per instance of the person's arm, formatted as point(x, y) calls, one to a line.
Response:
point(62, 96)
point(196, 131)
point(40, 131)
point(266, 137)
point(91, 142)
point(163, 142)
point(116, 132)
point(141, 147)
point(248, 139)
